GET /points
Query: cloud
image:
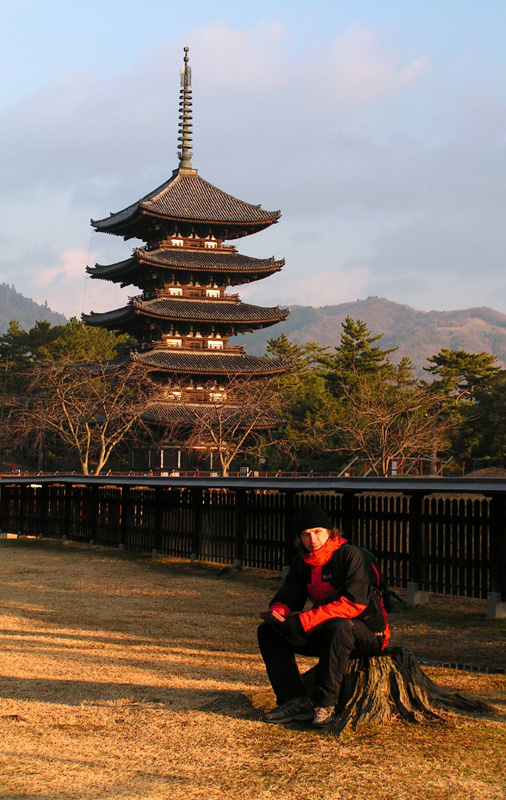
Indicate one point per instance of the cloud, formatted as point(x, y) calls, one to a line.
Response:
point(70, 290)
point(358, 68)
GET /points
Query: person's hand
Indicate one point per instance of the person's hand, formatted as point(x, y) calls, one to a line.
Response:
point(289, 628)
point(292, 631)
point(272, 616)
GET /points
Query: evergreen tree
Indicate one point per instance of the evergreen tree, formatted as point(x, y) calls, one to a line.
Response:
point(306, 405)
point(463, 395)
point(461, 373)
point(481, 441)
point(357, 354)
point(358, 351)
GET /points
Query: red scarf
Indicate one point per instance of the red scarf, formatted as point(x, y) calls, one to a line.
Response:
point(324, 553)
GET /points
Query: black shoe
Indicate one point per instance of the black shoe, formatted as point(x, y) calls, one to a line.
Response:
point(297, 708)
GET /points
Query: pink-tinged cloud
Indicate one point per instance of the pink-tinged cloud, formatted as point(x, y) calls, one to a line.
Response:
point(358, 68)
point(70, 291)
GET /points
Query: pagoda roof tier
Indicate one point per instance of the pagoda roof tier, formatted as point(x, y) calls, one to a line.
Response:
point(238, 268)
point(174, 413)
point(186, 202)
point(209, 363)
point(222, 312)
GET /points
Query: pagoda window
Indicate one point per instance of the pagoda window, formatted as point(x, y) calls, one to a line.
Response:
point(175, 290)
point(210, 245)
point(174, 342)
point(177, 242)
point(215, 396)
point(212, 292)
point(215, 344)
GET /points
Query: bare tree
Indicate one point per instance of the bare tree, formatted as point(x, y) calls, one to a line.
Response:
point(237, 420)
point(385, 417)
point(89, 408)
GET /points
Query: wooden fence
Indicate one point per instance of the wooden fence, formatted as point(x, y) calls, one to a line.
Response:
point(442, 535)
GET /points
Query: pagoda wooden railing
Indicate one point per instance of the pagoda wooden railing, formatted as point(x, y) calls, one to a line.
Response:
point(198, 244)
point(198, 344)
point(195, 293)
point(442, 535)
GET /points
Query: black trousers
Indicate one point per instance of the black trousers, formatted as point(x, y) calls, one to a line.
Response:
point(333, 643)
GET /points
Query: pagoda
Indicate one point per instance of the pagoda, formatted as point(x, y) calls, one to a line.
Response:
point(184, 316)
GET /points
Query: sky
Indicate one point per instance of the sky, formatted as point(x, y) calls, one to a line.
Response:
point(378, 129)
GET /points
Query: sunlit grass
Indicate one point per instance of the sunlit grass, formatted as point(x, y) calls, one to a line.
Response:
point(124, 677)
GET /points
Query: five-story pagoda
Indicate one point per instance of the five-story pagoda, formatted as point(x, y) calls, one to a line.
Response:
point(184, 316)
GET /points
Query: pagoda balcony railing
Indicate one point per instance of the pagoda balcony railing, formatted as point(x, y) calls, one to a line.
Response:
point(195, 293)
point(198, 344)
point(201, 396)
point(197, 244)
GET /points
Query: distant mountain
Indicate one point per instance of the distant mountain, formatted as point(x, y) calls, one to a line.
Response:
point(14, 306)
point(417, 334)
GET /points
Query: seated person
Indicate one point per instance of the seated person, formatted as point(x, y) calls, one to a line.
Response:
point(346, 620)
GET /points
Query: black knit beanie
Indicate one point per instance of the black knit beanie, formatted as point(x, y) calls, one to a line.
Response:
point(311, 516)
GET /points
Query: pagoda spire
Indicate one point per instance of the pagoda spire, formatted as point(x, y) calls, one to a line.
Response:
point(185, 115)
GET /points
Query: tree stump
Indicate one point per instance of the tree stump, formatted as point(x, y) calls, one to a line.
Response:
point(386, 687)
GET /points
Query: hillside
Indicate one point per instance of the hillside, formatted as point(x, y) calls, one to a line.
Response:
point(417, 334)
point(14, 306)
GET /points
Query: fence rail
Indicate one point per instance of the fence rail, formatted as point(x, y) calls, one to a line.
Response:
point(441, 535)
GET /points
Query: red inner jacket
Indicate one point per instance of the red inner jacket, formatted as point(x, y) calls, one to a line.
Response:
point(339, 584)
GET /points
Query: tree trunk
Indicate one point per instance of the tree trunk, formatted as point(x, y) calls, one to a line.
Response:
point(392, 685)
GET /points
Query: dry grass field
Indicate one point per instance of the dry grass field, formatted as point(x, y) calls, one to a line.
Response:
point(125, 677)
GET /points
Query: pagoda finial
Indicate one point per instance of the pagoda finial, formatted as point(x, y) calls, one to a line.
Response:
point(185, 108)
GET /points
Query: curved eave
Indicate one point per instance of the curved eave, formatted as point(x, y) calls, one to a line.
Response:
point(141, 222)
point(179, 414)
point(113, 272)
point(247, 270)
point(122, 318)
point(206, 260)
point(210, 363)
point(111, 320)
point(208, 311)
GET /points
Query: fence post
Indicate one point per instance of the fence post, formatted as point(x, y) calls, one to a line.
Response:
point(496, 599)
point(125, 511)
point(22, 499)
point(68, 517)
point(3, 493)
point(157, 516)
point(95, 510)
point(197, 501)
point(240, 526)
point(415, 596)
point(289, 530)
point(44, 502)
point(347, 515)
